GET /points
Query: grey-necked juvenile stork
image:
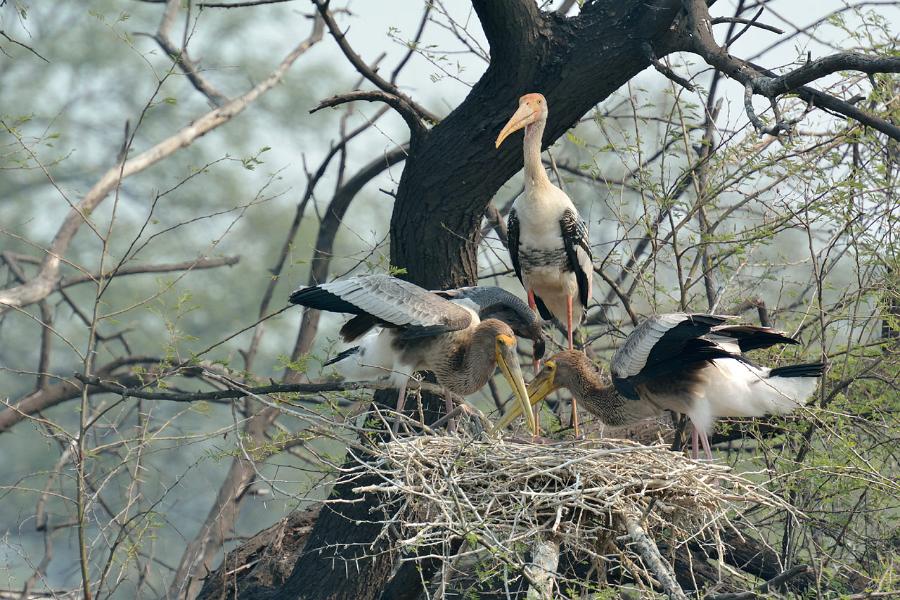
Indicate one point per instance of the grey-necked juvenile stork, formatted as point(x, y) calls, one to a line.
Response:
point(403, 328)
point(688, 363)
point(548, 241)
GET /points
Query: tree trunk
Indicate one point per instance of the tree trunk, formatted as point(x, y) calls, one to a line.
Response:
point(450, 176)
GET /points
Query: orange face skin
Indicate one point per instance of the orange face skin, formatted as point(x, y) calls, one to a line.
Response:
point(532, 108)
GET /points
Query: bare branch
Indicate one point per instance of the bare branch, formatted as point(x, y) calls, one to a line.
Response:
point(360, 65)
point(245, 4)
point(53, 394)
point(398, 103)
point(698, 38)
point(198, 264)
point(45, 282)
point(664, 69)
point(765, 587)
point(844, 61)
point(27, 47)
point(117, 387)
point(190, 68)
point(749, 22)
point(648, 551)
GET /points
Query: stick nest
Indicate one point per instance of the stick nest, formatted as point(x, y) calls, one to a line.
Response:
point(502, 495)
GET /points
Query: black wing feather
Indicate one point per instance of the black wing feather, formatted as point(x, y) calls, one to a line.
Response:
point(512, 241)
point(575, 235)
point(681, 348)
point(751, 337)
point(321, 299)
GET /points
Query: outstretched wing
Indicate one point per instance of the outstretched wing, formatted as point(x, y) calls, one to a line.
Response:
point(578, 251)
point(664, 344)
point(492, 302)
point(388, 301)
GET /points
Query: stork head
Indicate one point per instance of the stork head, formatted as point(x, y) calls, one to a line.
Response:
point(508, 363)
point(568, 369)
point(532, 108)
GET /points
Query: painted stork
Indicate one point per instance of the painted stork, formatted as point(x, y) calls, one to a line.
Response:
point(405, 329)
point(548, 242)
point(691, 364)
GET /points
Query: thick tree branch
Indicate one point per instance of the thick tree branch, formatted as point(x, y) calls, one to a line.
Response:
point(510, 26)
point(697, 37)
point(47, 279)
point(54, 394)
point(646, 548)
point(410, 115)
point(775, 582)
point(116, 386)
point(844, 61)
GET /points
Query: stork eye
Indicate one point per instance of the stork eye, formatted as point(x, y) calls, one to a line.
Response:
point(506, 340)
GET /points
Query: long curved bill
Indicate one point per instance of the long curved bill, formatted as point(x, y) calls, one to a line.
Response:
point(522, 117)
point(508, 362)
point(539, 388)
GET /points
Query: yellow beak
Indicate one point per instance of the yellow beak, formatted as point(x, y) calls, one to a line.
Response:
point(520, 119)
point(539, 388)
point(509, 366)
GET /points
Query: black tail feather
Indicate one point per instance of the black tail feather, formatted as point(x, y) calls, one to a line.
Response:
point(804, 370)
point(750, 337)
point(342, 355)
point(357, 327)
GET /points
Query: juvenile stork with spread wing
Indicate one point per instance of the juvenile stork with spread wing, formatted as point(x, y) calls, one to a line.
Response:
point(403, 328)
point(692, 364)
point(548, 241)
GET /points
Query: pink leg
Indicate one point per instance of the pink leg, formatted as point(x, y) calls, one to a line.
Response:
point(695, 443)
point(401, 400)
point(705, 441)
point(448, 406)
point(536, 363)
point(571, 347)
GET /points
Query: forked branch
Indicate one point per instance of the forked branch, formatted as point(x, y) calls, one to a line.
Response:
point(408, 112)
point(696, 36)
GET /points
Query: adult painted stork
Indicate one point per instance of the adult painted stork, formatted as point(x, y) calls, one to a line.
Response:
point(688, 363)
point(404, 329)
point(548, 242)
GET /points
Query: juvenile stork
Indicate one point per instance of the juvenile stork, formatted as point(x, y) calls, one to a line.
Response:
point(548, 242)
point(405, 329)
point(692, 364)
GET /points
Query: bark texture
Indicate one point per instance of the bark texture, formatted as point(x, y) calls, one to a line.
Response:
point(455, 170)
